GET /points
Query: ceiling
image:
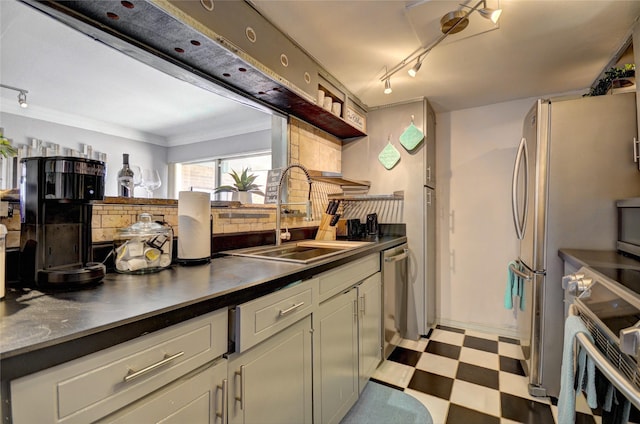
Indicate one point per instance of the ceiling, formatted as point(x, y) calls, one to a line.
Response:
point(540, 47)
point(75, 80)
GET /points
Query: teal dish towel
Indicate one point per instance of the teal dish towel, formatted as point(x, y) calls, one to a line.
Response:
point(515, 287)
point(567, 399)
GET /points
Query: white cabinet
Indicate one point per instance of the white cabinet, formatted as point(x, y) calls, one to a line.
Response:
point(336, 357)
point(91, 387)
point(369, 327)
point(199, 397)
point(270, 373)
point(347, 336)
point(271, 382)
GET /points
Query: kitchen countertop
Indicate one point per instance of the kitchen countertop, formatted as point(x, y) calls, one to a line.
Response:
point(39, 330)
point(597, 258)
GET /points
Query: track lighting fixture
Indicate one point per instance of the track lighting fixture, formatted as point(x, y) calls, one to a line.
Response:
point(451, 23)
point(387, 86)
point(22, 99)
point(22, 95)
point(415, 68)
point(492, 14)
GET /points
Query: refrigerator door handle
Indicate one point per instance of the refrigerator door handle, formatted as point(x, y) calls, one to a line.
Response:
point(521, 158)
point(636, 153)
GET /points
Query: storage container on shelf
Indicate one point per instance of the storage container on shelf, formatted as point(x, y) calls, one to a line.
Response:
point(144, 247)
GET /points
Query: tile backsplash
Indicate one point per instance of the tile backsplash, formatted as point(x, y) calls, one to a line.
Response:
point(108, 217)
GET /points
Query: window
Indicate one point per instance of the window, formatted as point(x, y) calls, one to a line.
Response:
point(206, 176)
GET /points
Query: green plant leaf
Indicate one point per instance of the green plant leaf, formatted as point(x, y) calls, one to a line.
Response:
point(242, 182)
point(6, 149)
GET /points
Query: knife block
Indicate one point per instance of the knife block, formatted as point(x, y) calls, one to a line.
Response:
point(326, 231)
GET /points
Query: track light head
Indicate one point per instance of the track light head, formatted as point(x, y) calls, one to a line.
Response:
point(414, 70)
point(22, 95)
point(387, 86)
point(22, 99)
point(492, 14)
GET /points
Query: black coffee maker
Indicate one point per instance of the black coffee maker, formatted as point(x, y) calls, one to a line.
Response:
point(56, 196)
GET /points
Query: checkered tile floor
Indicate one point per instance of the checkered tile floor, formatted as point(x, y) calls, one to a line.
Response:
point(463, 376)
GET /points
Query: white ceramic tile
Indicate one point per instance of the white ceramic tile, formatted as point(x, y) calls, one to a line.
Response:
point(506, 421)
point(447, 337)
point(437, 364)
point(481, 335)
point(510, 350)
point(480, 358)
point(518, 385)
point(419, 345)
point(581, 404)
point(394, 373)
point(476, 397)
point(554, 413)
point(438, 408)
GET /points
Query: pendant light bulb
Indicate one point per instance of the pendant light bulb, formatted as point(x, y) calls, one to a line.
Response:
point(387, 86)
point(414, 70)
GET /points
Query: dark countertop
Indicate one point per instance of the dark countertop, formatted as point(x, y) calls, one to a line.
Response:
point(39, 330)
point(597, 258)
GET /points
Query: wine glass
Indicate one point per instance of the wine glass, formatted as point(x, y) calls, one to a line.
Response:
point(150, 181)
point(137, 176)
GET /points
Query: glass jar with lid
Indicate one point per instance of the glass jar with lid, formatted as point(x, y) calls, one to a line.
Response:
point(144, 247)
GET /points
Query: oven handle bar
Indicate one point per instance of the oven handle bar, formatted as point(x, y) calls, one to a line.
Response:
point(609, 371)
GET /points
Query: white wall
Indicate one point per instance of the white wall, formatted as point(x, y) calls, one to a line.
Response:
point(21, 129)
point(258, 141)
point(476, 149)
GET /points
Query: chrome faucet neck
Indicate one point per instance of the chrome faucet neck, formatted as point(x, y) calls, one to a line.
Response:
point(279, 198)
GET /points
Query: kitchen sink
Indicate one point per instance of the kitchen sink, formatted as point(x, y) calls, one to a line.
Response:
point(299, 252)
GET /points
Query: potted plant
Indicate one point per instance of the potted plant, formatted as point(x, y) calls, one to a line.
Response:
point(244, 185)
point(613, 76)
point(6, 149)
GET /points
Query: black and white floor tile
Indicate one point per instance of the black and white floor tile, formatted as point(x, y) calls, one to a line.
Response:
point(463, 376)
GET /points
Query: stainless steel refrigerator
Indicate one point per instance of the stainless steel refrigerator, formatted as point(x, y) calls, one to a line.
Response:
point(573, 161)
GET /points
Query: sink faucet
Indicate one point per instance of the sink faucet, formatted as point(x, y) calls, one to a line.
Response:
point(279, 198)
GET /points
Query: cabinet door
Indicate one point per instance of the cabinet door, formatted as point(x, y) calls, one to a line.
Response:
point(197, 398)
point(271, 382)
point(370, 327)
point(430, 150)
point(336, 357)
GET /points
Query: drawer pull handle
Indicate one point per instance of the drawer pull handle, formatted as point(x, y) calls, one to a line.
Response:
point(284, 312)
point(167, 358)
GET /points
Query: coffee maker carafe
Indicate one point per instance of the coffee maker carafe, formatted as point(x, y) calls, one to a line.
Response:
point(56, 196)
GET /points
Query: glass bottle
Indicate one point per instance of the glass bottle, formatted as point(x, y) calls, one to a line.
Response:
point(125, 178)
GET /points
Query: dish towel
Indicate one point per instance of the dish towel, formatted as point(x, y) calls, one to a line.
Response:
point(567, 399)
point(515, 287)
point(615, 407)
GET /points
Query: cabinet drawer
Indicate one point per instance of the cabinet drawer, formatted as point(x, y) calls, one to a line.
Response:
point(196, 398)
point(339, 279)
point(259, 319)
point(91, 387)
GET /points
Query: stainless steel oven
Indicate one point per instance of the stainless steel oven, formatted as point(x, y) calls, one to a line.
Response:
point(608, 302)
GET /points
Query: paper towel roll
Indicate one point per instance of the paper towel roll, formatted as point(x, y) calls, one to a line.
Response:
point(194, 227)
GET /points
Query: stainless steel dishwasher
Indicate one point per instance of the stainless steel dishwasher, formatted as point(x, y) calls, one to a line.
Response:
point(399, 307)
